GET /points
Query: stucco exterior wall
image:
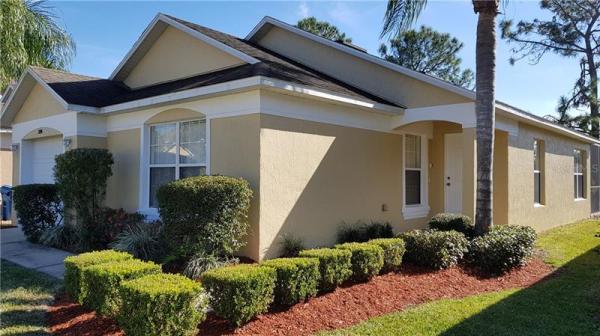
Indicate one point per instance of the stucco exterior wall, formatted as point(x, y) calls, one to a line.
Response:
point(123, 186)
point(39, 104)
point(6, 156)
point(235, 151)
point(85, 141)
point(392, 86)
point(315, 176)
point(192, 57)
point(560, 206)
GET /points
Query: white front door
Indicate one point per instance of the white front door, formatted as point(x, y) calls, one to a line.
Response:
point(453, 178)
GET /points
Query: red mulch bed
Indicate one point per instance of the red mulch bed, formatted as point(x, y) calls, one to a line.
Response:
point(344, 307)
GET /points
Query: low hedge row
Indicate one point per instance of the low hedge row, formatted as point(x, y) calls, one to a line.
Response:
point(393, 251)
point(453, 222)
point(366, 259)
point(143, 300)
point(435, 249)
point(297, 279)
point(239, 293)
point(335, 266)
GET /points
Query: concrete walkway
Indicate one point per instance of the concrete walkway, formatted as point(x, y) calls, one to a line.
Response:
point(14, 248)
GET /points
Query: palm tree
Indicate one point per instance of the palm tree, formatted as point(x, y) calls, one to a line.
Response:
point(30, 36)
point(400, 15)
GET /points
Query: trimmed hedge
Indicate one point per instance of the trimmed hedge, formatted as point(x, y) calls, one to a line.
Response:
point(451, 221)
point(297, 279)
point(503, 248)
point(335, 266)
point(361, 232)
point(393, 251)
point(241, 292)
point(161, 304)
point(205, 214)
point(74, 266)
point(367, 259)
point(102, 283)
point(38, 209)
point(435, 249)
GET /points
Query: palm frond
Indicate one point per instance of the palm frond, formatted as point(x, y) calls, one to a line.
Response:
point(400, 15)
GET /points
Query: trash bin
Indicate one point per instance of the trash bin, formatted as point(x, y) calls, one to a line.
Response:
point(6, 193)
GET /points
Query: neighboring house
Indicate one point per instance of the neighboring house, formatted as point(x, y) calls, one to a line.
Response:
point(324, 133)
point(5, 157)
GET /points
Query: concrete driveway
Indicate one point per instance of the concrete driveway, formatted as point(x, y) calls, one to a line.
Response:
point(14, 248)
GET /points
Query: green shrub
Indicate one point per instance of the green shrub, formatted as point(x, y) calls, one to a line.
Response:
point(161, 304)
point(291, 246)
point(502, 249)
point(203, 261)
point(335, 266)
point(81, 176)
point(367, 259)
point(74, 266)
point(362, 232)
point(65, 237)
point(239, 293)
point(450, 221)
point(435, 249)
point(111, 223)
point(393, 251)
point(205, 213)
point(297, 279)
point(38, 209)
point(102, 281)
point(143, 240)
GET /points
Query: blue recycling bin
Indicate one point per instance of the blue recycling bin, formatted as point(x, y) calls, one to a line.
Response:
point(6, 193)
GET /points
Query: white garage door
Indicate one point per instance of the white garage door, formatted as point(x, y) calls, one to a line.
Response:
point(43, 151)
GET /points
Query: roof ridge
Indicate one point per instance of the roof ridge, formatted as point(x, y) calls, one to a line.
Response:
point(36, 67)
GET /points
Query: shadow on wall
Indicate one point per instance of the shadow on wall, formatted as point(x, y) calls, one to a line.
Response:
point(333, 175)
point(558, 305)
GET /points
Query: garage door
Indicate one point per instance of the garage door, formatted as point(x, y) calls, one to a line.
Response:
point(43, 151)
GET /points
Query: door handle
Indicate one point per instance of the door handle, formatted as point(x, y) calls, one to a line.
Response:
point(448, 184)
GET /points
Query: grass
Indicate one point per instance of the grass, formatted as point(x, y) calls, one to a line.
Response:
point(565, 304)
point(24, 296)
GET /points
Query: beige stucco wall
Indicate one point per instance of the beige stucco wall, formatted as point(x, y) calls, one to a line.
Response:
point(39, 104)
point(314, 177)
point(85, 141)
point(5, 159)
point(177, 55)
point(123, 186)
point(392, 86)
point(560, 206)
point(235, 151)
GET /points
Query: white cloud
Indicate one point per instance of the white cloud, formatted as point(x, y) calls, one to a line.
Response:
point(303, 10)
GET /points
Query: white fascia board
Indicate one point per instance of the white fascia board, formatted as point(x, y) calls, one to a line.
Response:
point(362, 55)
point(13, 93)
point(513, 113)
point(249, 84)
point(208, 40)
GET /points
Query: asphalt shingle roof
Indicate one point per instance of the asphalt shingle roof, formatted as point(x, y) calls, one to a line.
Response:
point(99, 92)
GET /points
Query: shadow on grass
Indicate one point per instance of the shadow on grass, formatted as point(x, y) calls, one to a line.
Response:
point(563, 304)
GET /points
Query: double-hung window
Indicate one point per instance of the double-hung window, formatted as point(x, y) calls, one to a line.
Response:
point(578, 174)
point(538, 173)
point(177, 150)
point(412, 169)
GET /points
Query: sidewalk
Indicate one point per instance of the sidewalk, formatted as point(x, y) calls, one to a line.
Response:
point(14, 248)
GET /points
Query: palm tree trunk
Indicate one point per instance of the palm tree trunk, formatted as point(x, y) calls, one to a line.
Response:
point(484, 109)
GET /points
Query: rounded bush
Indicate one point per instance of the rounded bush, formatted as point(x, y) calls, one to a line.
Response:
point(102, 281)
point(361, 232)
point(502, 249)
point(335, 266)
point(367, 259)
point(161, 304)
point(393, 251)
point(205, 213)
point(74, 266)
point(434, 249)
point(241, 292)
point(38, 209)
point(297, 279)
point(450, 221)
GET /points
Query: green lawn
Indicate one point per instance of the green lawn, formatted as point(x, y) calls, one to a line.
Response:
point(24, 295)
point(566, 304)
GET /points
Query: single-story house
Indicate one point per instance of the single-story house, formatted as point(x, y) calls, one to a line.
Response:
point(324, 132)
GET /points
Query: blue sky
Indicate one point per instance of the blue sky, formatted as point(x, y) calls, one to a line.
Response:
point(104, 32)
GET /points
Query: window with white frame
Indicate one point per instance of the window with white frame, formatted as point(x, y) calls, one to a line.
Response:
point(412, 169)
point(578, 173)
point(177, 150)
point(538, 175)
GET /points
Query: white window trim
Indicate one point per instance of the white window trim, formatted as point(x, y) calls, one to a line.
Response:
point(416, 210)
point(144, 188)
point(582, 174)
point(536, 144)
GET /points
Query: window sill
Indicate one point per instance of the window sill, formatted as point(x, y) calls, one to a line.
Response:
point(538, 205)
point(580, 199)
point(150, 214)
point(415, 211)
